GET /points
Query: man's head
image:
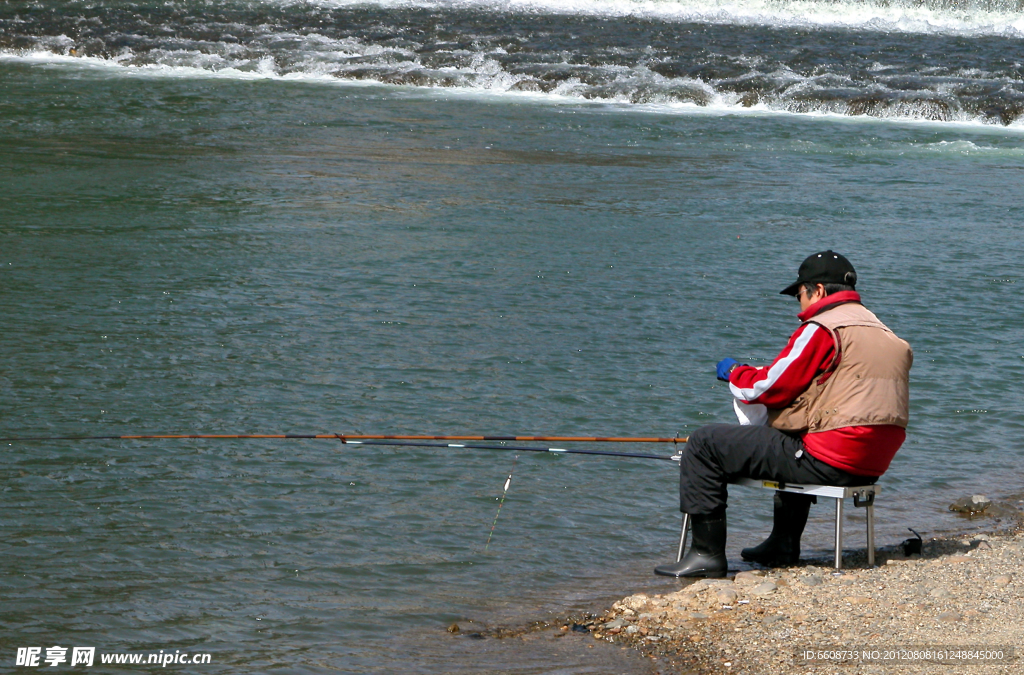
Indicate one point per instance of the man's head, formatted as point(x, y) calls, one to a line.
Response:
point(820, 275)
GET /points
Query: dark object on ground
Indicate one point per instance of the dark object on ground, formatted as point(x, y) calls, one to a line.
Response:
point(912, 546)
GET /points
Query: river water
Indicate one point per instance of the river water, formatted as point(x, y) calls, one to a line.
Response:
point(469, 217)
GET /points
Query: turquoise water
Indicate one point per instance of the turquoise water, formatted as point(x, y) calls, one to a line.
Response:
point(190, 253)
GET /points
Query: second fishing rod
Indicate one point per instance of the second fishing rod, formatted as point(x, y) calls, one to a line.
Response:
point(415, 441)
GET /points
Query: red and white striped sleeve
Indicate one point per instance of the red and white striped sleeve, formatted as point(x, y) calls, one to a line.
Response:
point(808, 354)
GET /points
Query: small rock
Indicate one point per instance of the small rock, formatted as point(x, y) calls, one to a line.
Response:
point(763, 589)
point(948, 617)
point(1002, 580)
point(617, 623)
point(636, 602)
point(984, 546)
point(857, 599)
point(698, 616)
point(774, 618)
point(812, 580)
point(726, 596)
point(453, 629)
point(632, 630)
point(971, 505)
point(941, 593)
point(745, 578)
point(958, 559)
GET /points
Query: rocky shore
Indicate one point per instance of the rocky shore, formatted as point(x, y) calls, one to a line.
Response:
point(955, 607)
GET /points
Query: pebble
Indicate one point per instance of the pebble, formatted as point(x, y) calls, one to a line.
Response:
point(948, 617)
point(812, 580)
point(726, 596)
point(636, 602)
point(746, 578)
point(763, 589)
point(1002, 580)
point(616, 623)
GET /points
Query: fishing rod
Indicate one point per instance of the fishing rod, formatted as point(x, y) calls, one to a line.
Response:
point(514, 448)
point(360, 437)
point(402, 441)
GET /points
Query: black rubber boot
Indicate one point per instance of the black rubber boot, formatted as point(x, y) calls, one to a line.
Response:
point(782, 547)
point(706, 557)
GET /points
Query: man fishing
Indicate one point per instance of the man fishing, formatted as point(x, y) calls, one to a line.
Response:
point(831, 409)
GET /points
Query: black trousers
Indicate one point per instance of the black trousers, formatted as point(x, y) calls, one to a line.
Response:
point(717, 454)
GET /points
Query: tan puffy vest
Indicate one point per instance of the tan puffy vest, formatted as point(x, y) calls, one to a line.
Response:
point(867, 383)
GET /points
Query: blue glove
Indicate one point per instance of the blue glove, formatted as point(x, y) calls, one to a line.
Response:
point(723, 368)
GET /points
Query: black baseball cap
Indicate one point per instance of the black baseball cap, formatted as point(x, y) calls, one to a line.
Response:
point(827, 267)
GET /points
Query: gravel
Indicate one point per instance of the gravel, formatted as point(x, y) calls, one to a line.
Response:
point(958, 593)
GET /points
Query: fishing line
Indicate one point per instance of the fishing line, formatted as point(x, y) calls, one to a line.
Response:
point(508, 481)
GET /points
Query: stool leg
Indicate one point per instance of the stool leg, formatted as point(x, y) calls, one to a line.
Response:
point(871, 534)
point(839, 533)
point(682, 536)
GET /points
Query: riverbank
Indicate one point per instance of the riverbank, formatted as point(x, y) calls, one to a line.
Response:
point(960, 596)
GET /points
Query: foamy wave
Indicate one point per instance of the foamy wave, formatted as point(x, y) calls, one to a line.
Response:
point(635, 89)
point(963, 147)
point(948, 17)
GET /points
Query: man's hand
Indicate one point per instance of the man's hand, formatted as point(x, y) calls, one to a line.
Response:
point(725, 366)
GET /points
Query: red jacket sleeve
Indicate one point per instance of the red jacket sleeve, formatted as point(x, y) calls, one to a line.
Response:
point(809, 353)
